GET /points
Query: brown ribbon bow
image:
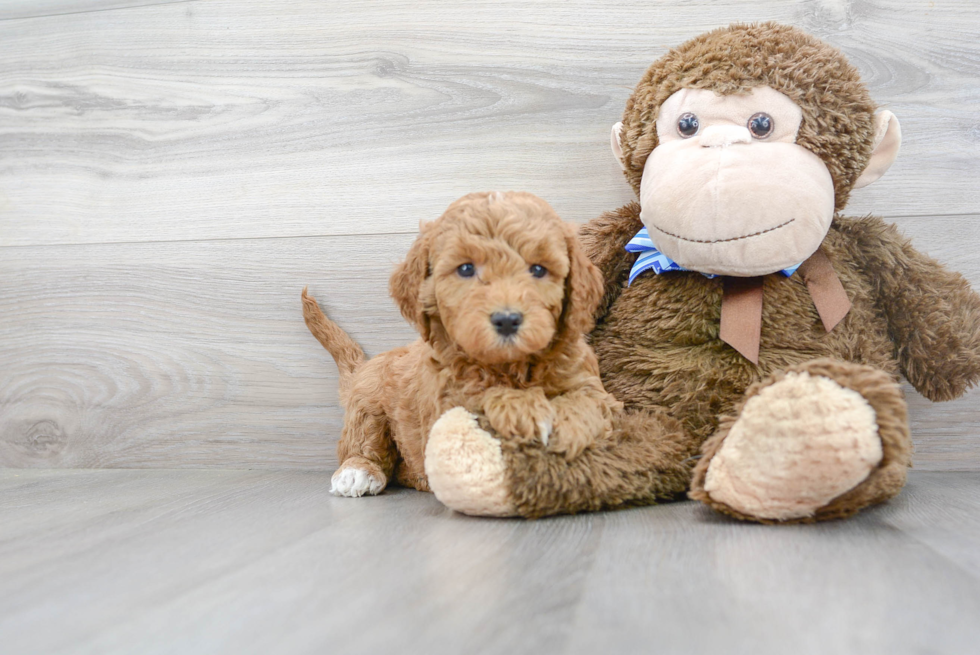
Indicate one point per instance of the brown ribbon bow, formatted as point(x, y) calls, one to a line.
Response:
point(741, 304)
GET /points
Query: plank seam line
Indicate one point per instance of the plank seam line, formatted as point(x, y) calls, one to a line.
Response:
point(267, 238)
point(894, 216)
point(353, 234)
point(98, 11)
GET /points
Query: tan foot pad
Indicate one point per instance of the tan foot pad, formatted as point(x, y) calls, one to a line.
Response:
point(797, 445)
point(465, 467)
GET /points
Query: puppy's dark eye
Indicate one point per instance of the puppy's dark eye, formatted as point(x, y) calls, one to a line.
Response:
point(760, 125)
point(537, 270)
point(688, 125)
point(466, 270)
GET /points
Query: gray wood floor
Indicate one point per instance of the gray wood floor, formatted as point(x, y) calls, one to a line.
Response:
point(113, 561)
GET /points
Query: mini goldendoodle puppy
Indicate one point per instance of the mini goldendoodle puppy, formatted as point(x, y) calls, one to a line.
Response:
point(502, 295)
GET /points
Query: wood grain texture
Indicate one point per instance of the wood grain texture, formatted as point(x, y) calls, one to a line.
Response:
point(168, 171)
point(183, 354)
point(191, 354)
point(256, 562)
point(234, 118)
point(801, 587)
point(19, 9)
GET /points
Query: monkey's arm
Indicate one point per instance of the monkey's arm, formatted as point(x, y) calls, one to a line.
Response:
point(933, 314)
point(604, 240)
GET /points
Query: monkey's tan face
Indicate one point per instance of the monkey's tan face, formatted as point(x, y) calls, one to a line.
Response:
point(728, 191)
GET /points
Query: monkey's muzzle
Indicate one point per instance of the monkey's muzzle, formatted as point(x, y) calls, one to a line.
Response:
point(718, 203)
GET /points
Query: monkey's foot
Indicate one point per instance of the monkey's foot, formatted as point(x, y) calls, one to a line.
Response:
point(821, 441)
point(465, 467)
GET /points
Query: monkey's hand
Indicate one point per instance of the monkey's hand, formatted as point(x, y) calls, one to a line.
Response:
point(524, 414)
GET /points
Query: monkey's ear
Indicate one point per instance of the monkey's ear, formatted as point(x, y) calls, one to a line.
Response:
point(888, 138)
point(617, 147)
point(405, 284)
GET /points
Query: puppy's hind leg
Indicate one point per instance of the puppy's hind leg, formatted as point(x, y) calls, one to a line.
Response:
point(366, 452)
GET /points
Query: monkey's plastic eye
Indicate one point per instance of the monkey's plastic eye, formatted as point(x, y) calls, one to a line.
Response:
point(466, 270)
point(687, 125)
point(760, 125)
point(537, 270)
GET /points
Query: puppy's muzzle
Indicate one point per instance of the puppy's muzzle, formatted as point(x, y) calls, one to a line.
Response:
point(506, 323)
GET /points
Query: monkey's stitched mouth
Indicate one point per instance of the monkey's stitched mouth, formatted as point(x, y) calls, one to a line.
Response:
point(744, 236)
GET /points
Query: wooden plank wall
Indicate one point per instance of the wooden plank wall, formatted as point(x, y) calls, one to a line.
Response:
point(173, 173)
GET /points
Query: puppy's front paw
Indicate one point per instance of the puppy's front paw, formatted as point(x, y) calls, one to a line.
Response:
point(354, 482)
point(522, 413)
point(582, 420)
point(569, 442)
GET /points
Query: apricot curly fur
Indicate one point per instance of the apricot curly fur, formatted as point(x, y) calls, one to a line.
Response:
point(544, 372)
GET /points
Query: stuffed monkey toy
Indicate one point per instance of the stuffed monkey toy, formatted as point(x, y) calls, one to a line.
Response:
point(764, 331)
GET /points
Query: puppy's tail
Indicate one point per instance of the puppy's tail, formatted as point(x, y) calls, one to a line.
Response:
point(348, 355)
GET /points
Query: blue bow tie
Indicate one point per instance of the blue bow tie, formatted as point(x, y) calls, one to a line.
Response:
point(651, 258)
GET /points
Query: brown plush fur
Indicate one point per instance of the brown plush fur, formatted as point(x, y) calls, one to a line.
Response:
point(646, 458)
point(657, 341)
point(545, 374)
point(659, 352)
point(658, 346)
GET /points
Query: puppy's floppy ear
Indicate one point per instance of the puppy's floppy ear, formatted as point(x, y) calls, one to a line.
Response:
point(583, 289)
point(406, 282)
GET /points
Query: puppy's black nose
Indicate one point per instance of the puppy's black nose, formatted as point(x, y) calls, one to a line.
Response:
point(506, 323)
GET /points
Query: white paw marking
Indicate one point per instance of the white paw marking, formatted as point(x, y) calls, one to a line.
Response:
point(354, 483)
point(544, 429)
